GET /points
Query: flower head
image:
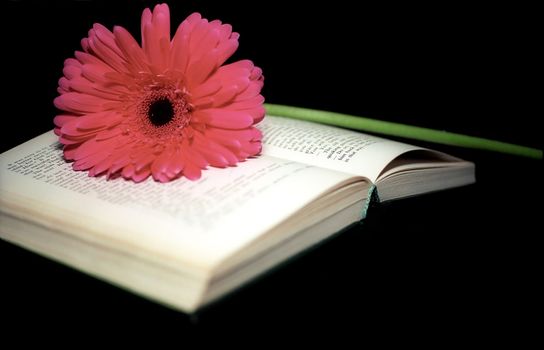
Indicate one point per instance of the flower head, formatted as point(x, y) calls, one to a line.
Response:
point(168, 108)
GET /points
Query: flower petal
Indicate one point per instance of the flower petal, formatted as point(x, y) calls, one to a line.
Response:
point(106, 38)
point(199, 71)
point(79, 103)
point(62, 119)
point(108, 134)
point(180, 43)
point(84, 86)
point(105, 53)
point(132, 51)
point(161, 21)
point(225, 119)
point(176, 165)
point(192, 172)
point(160, 164)
point(156, 37)
point(256, 101)
point(218, 152)
point(128, 171)
point(69, 151)
point(249, 134)
point(122, 159)
point(208, 88)
point(71, 72)
point(91, 160)
point(141, 175)
point(102, 166)
point(226, 50)
point(91, 147)
point(226, 140)
point(195, 158)
point(99, 120)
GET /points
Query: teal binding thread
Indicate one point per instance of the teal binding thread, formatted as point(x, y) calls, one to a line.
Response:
point(401, 130)
point(368, 200)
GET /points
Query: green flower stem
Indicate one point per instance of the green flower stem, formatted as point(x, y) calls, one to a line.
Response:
point(401, 130)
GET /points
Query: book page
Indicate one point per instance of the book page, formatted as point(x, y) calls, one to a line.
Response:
point(329, 147)
point(201, 221)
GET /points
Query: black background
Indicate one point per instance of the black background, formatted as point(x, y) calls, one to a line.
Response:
point(454, 264)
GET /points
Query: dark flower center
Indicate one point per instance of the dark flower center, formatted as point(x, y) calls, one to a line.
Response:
point(161, 112)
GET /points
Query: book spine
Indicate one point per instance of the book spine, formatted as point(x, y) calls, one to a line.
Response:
point(369, 197)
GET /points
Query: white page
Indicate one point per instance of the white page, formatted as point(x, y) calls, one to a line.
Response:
point(329, 147)
point(199, 222)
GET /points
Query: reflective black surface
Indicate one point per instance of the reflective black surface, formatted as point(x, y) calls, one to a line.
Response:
point(451, 264)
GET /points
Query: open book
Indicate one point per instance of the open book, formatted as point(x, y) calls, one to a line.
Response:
point(186, 244)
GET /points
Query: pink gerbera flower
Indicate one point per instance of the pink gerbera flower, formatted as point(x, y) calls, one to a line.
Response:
point(168, 108)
